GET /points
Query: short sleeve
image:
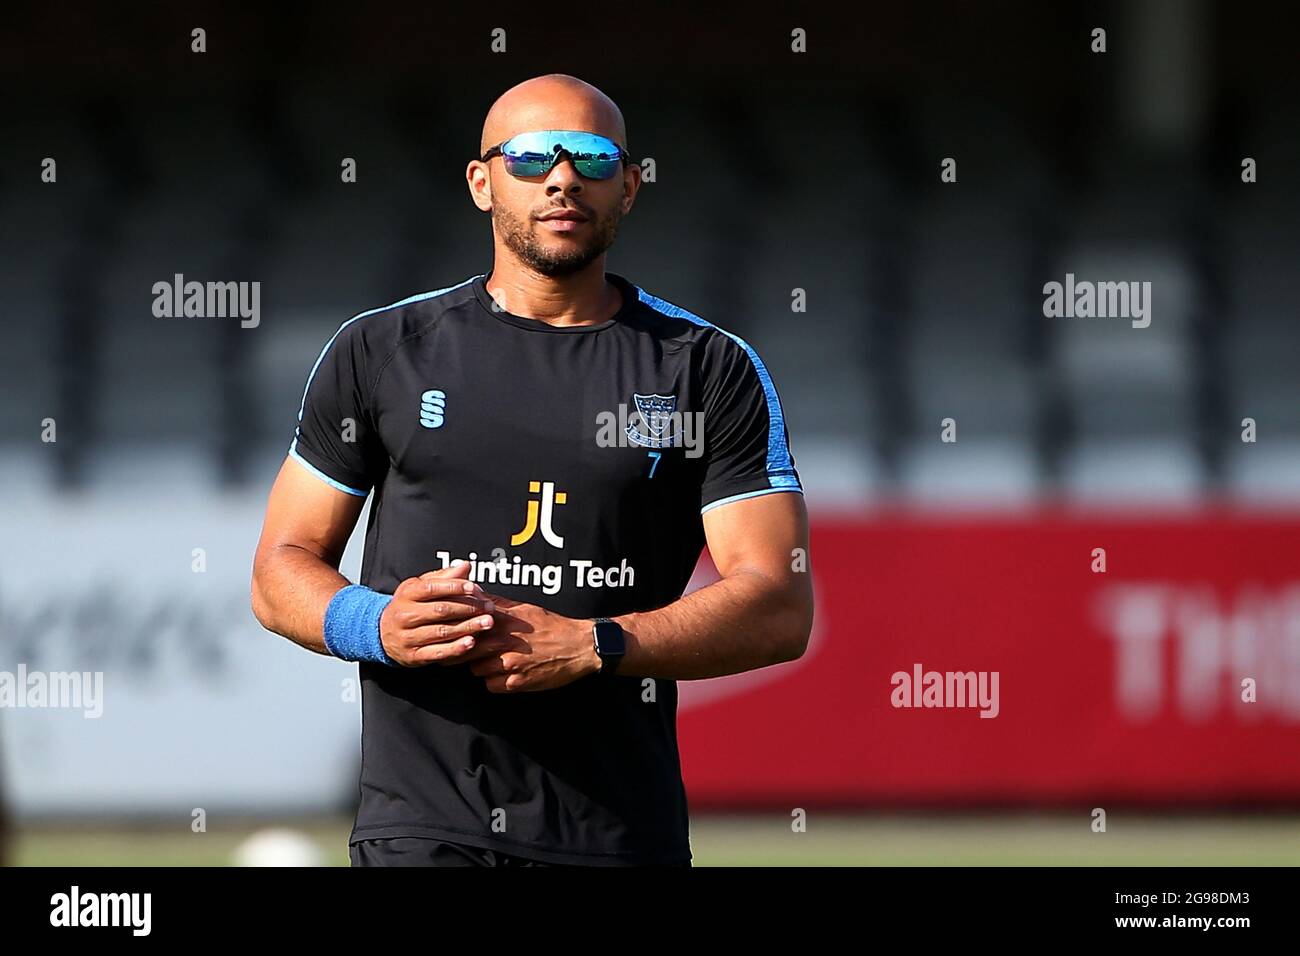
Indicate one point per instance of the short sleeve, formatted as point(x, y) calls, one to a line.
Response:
point(336, 438)
point(746, 445)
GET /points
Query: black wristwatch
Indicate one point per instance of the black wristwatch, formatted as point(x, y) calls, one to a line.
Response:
point(610, 644)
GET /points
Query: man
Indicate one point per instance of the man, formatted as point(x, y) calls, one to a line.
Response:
point(549, 447)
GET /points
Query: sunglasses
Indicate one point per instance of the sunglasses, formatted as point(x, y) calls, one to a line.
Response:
point(534, 153)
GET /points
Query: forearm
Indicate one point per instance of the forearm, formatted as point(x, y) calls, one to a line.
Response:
point(292, 587)
point(745, 621)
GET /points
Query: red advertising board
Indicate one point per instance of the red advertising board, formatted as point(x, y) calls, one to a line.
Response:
point(1170, 677)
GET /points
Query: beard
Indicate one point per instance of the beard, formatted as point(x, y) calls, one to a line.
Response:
point(563, 258)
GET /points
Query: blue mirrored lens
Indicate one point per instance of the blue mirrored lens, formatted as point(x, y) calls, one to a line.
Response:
point(533, 153)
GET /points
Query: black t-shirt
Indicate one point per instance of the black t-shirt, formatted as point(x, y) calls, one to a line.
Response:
point(571, 466)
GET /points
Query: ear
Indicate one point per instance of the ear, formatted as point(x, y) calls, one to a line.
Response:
point(631, 185)
point(478, 178)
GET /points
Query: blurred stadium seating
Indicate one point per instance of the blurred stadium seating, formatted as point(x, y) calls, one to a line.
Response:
point(920, 304)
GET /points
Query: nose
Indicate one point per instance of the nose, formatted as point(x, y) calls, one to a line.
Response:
point(563, 176)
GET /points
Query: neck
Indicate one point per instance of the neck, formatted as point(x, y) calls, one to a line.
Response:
point(583, 298)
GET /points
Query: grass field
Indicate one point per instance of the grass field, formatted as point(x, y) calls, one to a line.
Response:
point(999, 840)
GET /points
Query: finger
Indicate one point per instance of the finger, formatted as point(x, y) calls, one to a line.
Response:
point(445, 653)
point(489, 667)
point(415, 614)
point(482, 648)
point(501, 685)
point(457, 569)
point(446, 631)
point(492, 642)
point(426, 588)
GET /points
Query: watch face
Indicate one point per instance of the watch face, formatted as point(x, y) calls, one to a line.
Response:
point(609, 637)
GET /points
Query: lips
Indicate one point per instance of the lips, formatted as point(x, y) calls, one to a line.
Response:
point(567, 215)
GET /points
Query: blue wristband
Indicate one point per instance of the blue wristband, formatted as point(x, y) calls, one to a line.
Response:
point(352, 625)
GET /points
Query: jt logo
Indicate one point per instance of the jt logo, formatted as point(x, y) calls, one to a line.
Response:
point(550, 498)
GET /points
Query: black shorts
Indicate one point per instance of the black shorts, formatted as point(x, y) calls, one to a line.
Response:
point(425, 851)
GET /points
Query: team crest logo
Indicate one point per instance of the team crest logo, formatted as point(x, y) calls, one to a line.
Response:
point(653, 424)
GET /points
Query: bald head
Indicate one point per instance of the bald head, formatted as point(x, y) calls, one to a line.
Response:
point(560, 222)
point(553, 101)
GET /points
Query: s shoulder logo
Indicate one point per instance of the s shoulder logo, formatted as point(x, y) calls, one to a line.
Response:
point(433, 408)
